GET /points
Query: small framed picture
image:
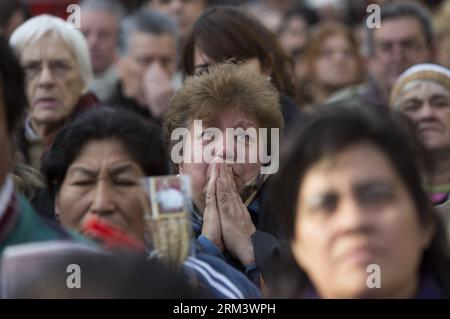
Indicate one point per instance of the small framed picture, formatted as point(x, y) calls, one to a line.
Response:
point(168, 195)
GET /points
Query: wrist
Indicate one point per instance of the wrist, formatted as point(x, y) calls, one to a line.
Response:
point(247, 257)
point(217, 242)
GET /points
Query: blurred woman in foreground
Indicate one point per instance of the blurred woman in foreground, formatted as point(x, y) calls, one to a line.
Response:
point(356, 215)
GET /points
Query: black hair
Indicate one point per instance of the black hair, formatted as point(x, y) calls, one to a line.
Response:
point(242, 37)
point(141, 139)
point(330, 131)
point(12, 89)
point(146, 21)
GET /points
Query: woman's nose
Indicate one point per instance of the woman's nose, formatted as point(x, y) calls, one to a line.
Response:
point(351, 216)
point(224, 150)
point(103, 201)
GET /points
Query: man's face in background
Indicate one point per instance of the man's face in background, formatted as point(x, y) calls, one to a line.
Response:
point(398, 44)
point(100, 29)
point(144, 51)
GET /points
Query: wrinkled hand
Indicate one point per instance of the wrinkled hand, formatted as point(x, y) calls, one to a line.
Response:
point(211, 219)
point(237, 226)
point(158, 89)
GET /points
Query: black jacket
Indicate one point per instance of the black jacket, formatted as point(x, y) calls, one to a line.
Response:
point(119, 101)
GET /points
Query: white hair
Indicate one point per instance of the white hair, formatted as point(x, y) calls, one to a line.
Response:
point(37, 27)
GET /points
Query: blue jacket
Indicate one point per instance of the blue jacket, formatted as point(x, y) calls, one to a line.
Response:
point(216, 279)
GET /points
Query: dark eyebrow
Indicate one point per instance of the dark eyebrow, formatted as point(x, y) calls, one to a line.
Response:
point(122, 168)
point(328, 196)
point(370, 184)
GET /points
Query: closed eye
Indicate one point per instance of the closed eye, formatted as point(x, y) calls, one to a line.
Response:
point(125, 182)
point(325, 203)
point(411, 106)
point(374, 193)
point(82, 183)
point(440, 101)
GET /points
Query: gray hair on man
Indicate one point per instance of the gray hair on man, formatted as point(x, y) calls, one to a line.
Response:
point(41, 25)
point(145, 21)
point(112, 6)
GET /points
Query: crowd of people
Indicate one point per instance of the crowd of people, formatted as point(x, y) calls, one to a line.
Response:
point(316, 147)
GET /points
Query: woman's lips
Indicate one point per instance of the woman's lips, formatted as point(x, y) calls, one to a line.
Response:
point(430, 129)
point(356, 254)
point(361, 256)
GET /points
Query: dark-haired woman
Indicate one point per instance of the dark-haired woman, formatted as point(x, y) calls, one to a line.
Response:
point(223, 33)
point(358, 222)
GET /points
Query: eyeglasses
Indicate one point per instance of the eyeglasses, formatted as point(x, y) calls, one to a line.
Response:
point(200, 69)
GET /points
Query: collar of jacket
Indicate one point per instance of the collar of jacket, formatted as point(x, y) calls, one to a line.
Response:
point(30, 134)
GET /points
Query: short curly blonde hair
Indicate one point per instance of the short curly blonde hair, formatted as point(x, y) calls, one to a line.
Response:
point(227, 86)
